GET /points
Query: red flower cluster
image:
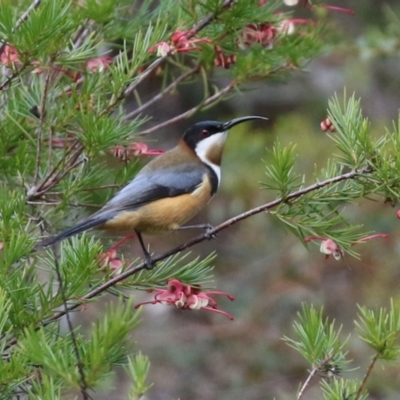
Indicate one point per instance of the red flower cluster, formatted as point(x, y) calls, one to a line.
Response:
point(188, 298)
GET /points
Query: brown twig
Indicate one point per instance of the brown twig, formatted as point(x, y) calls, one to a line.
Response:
point(52, 172)
point(215, 97)
point(56, 203)
point(206, 236)
point(367, 374)
point(312, 373)
point(170, 87)
point(54, 178)
point(90, 189)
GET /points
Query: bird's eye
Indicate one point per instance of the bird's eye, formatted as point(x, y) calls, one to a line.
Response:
point(205, 133)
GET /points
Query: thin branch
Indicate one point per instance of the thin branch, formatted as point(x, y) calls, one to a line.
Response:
point(206, 236)
point(61, 175)
point(312, 373)
point(367, 374)
point(89, 189)
point(50, 181)
point(81, 34)
point(68, 88)
point(56, 203)
point(188, 113)
point(79, 362)
point(52, 172)
point(41, 124)
point(201, 238)
point(208, 19)
point(154, 65)
point(169, 88)
point(8, 80)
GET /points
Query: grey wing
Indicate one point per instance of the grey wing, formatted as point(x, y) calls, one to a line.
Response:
point(154, 185)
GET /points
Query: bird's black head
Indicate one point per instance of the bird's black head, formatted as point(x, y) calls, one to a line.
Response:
point(204, 130)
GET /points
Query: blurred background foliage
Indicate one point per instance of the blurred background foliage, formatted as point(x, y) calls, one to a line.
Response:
point(198, 356)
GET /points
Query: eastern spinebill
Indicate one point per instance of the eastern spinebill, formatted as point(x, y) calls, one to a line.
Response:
point(169, 190)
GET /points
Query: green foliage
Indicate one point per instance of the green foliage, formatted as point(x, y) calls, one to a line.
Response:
point(138, 368)
point(380, 329)
point(341, 389)
point(195, 273)
point(106, 347)
point(318, 340)
point(280, 170)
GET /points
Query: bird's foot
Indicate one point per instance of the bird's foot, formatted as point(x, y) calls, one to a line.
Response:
point(207, 227)
point(209, 234)
point(150, 264)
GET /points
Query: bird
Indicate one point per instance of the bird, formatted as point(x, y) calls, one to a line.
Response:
point(168, 191)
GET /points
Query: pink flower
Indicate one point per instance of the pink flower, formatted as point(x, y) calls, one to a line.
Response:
point(134, 149)
point(333, 8)
point(98, 64)
point(163, 49)
point(141, 149)
point(180, 41)
point(222, 60)
point(330, 247)
point(109, 258)
point(338, 9)
point(398, 214)
point(9, 56)
point(188, 298)
point(366, 238)
point(263, 34)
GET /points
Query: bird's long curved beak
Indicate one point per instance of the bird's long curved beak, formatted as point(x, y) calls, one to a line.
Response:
point(237, 121)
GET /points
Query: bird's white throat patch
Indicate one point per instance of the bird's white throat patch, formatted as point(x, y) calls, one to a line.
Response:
point(207, 146)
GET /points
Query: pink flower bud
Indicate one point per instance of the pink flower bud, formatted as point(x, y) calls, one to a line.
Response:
point(328, 247)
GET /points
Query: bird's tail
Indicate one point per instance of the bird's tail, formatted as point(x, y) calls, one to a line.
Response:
point(81, 227)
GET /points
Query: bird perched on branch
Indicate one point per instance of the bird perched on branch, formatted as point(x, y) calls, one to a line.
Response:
point(168, 191)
